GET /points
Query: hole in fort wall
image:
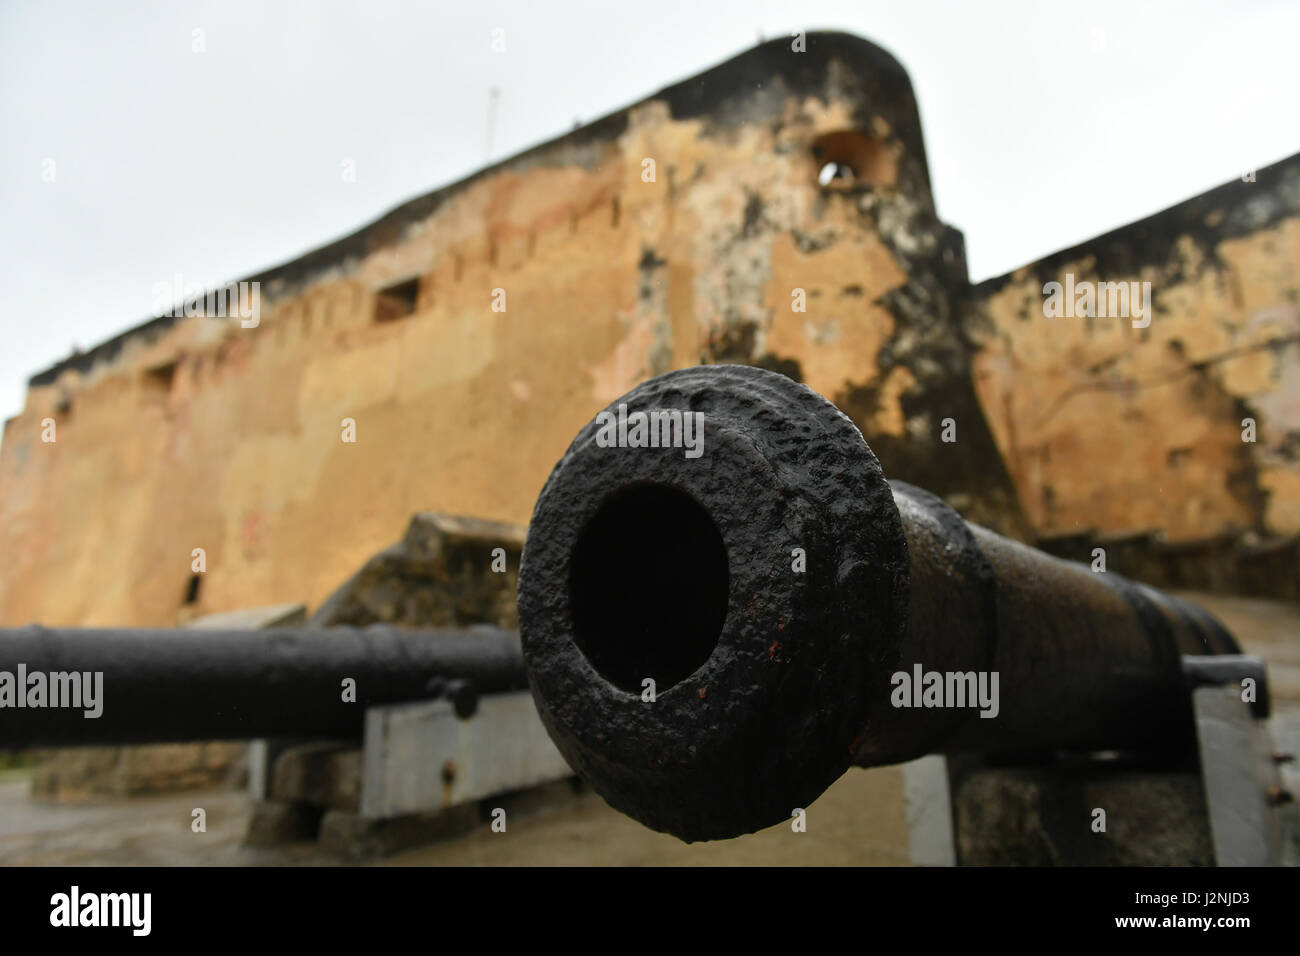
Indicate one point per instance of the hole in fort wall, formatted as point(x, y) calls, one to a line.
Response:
point(832, 172)
point(850, 158)
point(397, 301)
point(192, 590)
point(159, 379)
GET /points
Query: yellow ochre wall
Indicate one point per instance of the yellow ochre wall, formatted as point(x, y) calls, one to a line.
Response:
point(608, 279)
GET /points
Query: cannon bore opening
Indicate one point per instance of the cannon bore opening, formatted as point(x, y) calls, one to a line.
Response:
point(649, 587)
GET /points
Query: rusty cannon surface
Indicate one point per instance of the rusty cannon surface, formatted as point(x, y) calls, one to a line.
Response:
point(724, 604)
point(62, 686)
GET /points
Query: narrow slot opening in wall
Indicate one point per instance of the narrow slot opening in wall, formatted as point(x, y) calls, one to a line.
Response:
point(158, 380)
point(397, 301)
point(192, 590)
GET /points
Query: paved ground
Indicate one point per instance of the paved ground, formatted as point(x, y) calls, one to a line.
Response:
point(147, 831)
point(857, 821)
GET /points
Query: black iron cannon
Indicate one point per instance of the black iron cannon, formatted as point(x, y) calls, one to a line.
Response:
point(715, 633)
point(157, 685)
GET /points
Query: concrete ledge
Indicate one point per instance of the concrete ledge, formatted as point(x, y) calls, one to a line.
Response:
point(1046, 817)
point(355, 839)
point(276, 823)
point(324, 774)
point(419, 758)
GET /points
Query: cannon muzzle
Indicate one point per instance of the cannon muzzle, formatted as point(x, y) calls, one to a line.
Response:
point(724, 604)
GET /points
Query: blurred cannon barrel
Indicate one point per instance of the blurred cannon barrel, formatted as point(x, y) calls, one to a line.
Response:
point(715, 628)
point(90, 686)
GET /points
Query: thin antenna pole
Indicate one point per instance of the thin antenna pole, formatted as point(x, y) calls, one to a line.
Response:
point(494, 95)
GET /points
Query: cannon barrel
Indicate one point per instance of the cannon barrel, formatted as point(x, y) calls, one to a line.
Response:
point(171, 685)
point(715, 628)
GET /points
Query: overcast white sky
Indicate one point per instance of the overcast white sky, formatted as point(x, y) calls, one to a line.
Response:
point(1046, 123)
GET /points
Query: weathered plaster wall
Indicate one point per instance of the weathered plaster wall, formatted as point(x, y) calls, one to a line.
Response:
point(1060, 424)
point(608, 279)
point(1109, 427)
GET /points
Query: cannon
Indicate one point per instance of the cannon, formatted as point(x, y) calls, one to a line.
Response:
point(723, 606)
point(714, 631)
point(159, 685)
